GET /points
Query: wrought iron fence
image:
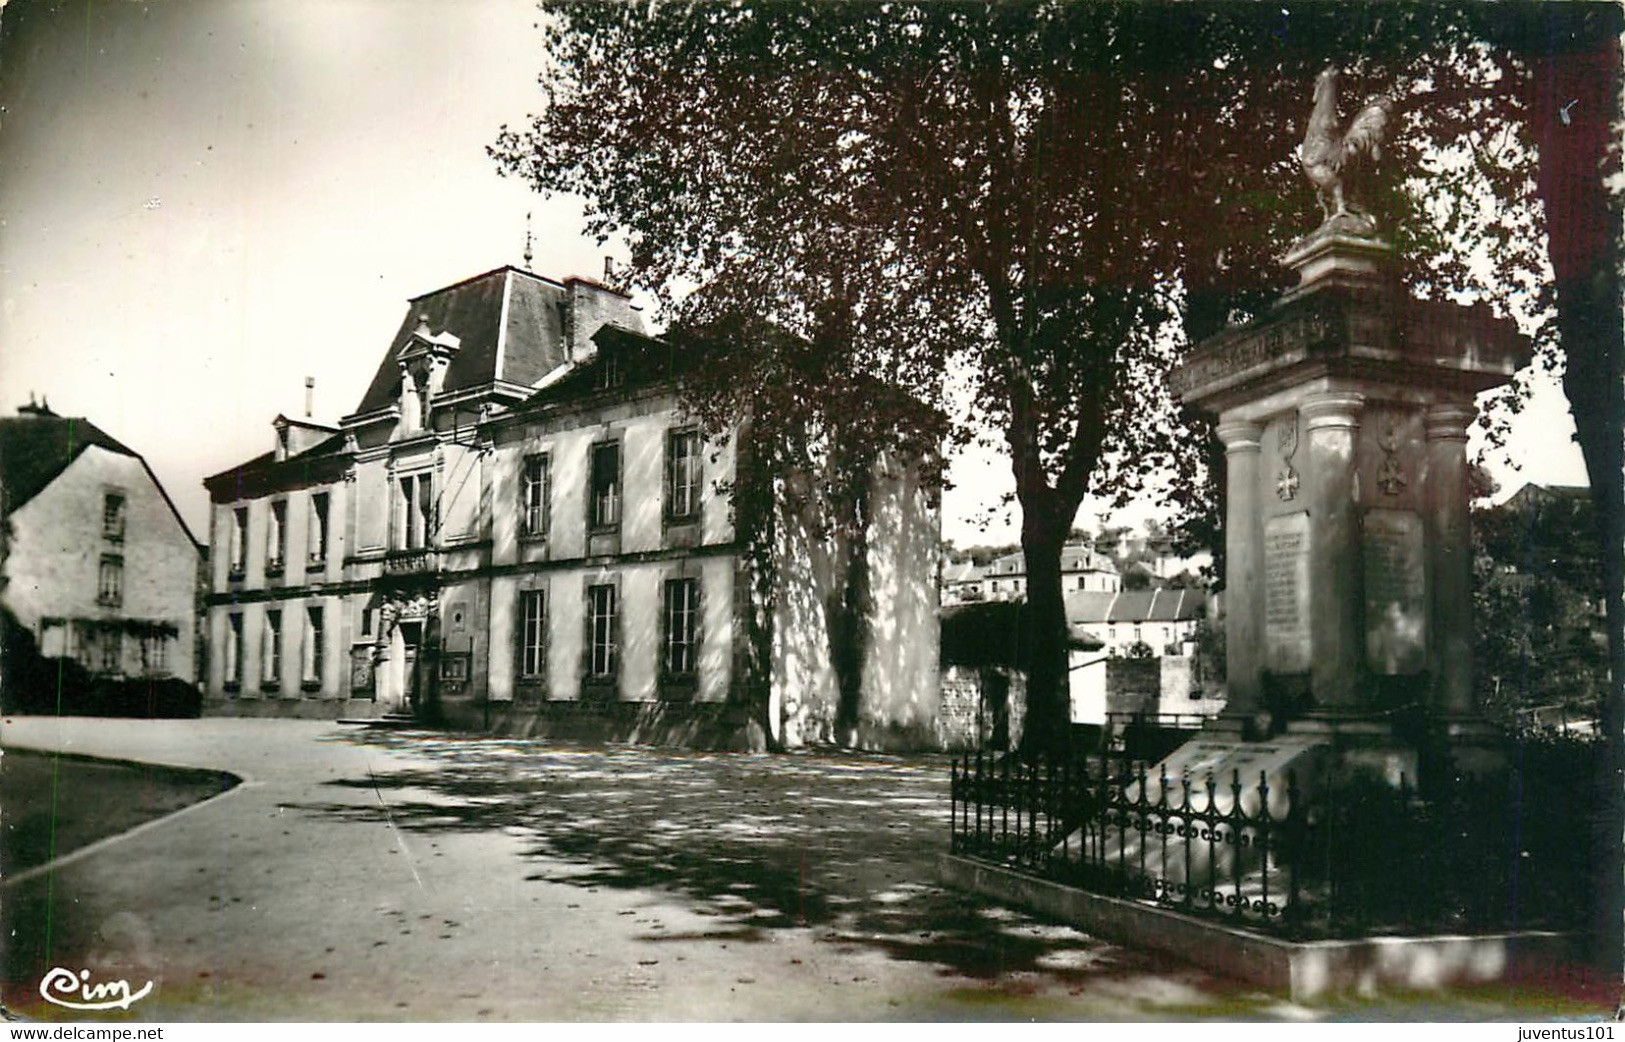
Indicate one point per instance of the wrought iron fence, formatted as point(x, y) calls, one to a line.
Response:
point(1353, 857)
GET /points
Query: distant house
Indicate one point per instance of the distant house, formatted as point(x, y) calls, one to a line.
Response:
point(1082, 570)
point(99, 566)
point(962, 583)
point(1151, 554)
point(1161, 619)
point(1163, 679)
point(1533, 498)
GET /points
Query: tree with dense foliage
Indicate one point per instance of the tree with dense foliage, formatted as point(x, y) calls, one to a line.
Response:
point(1537, 588)
point(1046, 200)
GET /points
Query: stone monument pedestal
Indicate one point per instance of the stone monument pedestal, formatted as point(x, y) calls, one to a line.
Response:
point(1344, 415)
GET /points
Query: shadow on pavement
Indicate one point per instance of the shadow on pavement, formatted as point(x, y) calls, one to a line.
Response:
point(845, 846)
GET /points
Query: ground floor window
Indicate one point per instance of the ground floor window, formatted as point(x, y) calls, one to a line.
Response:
point(271, 669)
point(681, 613)
point(112, 649)
point(313, 646)
point(154, 653)
point(602, 619)
point(234, 649)
point(532, 633)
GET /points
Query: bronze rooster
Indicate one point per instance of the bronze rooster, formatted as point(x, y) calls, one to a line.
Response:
point(1334, 159)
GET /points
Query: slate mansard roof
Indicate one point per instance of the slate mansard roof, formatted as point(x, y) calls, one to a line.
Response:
point(510, 326)
point(510, 329)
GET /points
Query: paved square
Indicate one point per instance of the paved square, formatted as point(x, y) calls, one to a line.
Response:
point(368, 875)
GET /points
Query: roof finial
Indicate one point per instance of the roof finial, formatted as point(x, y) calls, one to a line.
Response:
point(528, 254)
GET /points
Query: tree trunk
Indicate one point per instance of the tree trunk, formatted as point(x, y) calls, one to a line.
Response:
point(755, 509)
point(1575, 83)
point(850, 611)
point(1049, 717)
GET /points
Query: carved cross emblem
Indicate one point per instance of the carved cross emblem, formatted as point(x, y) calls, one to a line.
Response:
point(1286, 483)
point(1391, 478)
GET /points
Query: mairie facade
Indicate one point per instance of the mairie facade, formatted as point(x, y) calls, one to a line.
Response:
point(518, 529)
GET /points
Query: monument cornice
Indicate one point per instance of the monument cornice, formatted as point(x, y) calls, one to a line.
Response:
point(1357, 329)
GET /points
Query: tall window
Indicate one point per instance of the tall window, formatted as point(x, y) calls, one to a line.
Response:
point(83, 642)
point(154, 653)
point(532, 633)
point(271, 667)
point(682, 475)
point(112, 647)
point(239, 540)
point(318, 528)
point(533, 492)
point(276, 537)
point(682, 625)
point(610, 371)
point(601, 626)
point(414, 507)
point(234, 649)
point(606, 485)
point(312, 656)
point(113, 515)
point(110, 581)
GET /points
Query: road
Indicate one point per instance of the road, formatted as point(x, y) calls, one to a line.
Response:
point(374, 875)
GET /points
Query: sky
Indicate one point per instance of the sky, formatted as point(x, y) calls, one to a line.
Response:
point(204, 202)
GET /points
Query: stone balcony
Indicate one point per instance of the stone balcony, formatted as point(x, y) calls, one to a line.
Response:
point(419, 561)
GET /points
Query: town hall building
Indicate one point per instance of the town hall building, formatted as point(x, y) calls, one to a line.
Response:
point(518, 528)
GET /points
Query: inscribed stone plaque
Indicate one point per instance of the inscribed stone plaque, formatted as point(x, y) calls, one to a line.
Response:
point(1395, 592)
point(361, 667)
point(1286, 593)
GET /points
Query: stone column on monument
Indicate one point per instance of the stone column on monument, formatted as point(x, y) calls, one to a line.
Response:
point(1331, 421)
point(1450, 559)
point(1243, 570)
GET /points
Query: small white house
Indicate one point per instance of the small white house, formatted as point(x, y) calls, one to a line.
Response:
point(100, 568)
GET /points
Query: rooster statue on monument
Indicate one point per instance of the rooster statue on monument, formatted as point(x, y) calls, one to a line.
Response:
point(1339, 161)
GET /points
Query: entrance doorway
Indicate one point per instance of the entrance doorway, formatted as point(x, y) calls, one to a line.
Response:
point(411, 683)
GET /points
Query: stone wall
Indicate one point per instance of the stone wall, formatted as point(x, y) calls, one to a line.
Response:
point(970, 717)
point(1133, 685)
point(961, 706)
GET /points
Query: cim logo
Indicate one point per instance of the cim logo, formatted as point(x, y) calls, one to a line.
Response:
point(75, 991)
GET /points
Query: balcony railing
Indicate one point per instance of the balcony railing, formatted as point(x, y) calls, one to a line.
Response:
point(410, 562)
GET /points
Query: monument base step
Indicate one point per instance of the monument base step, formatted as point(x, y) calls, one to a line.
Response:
point(1301, 971)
